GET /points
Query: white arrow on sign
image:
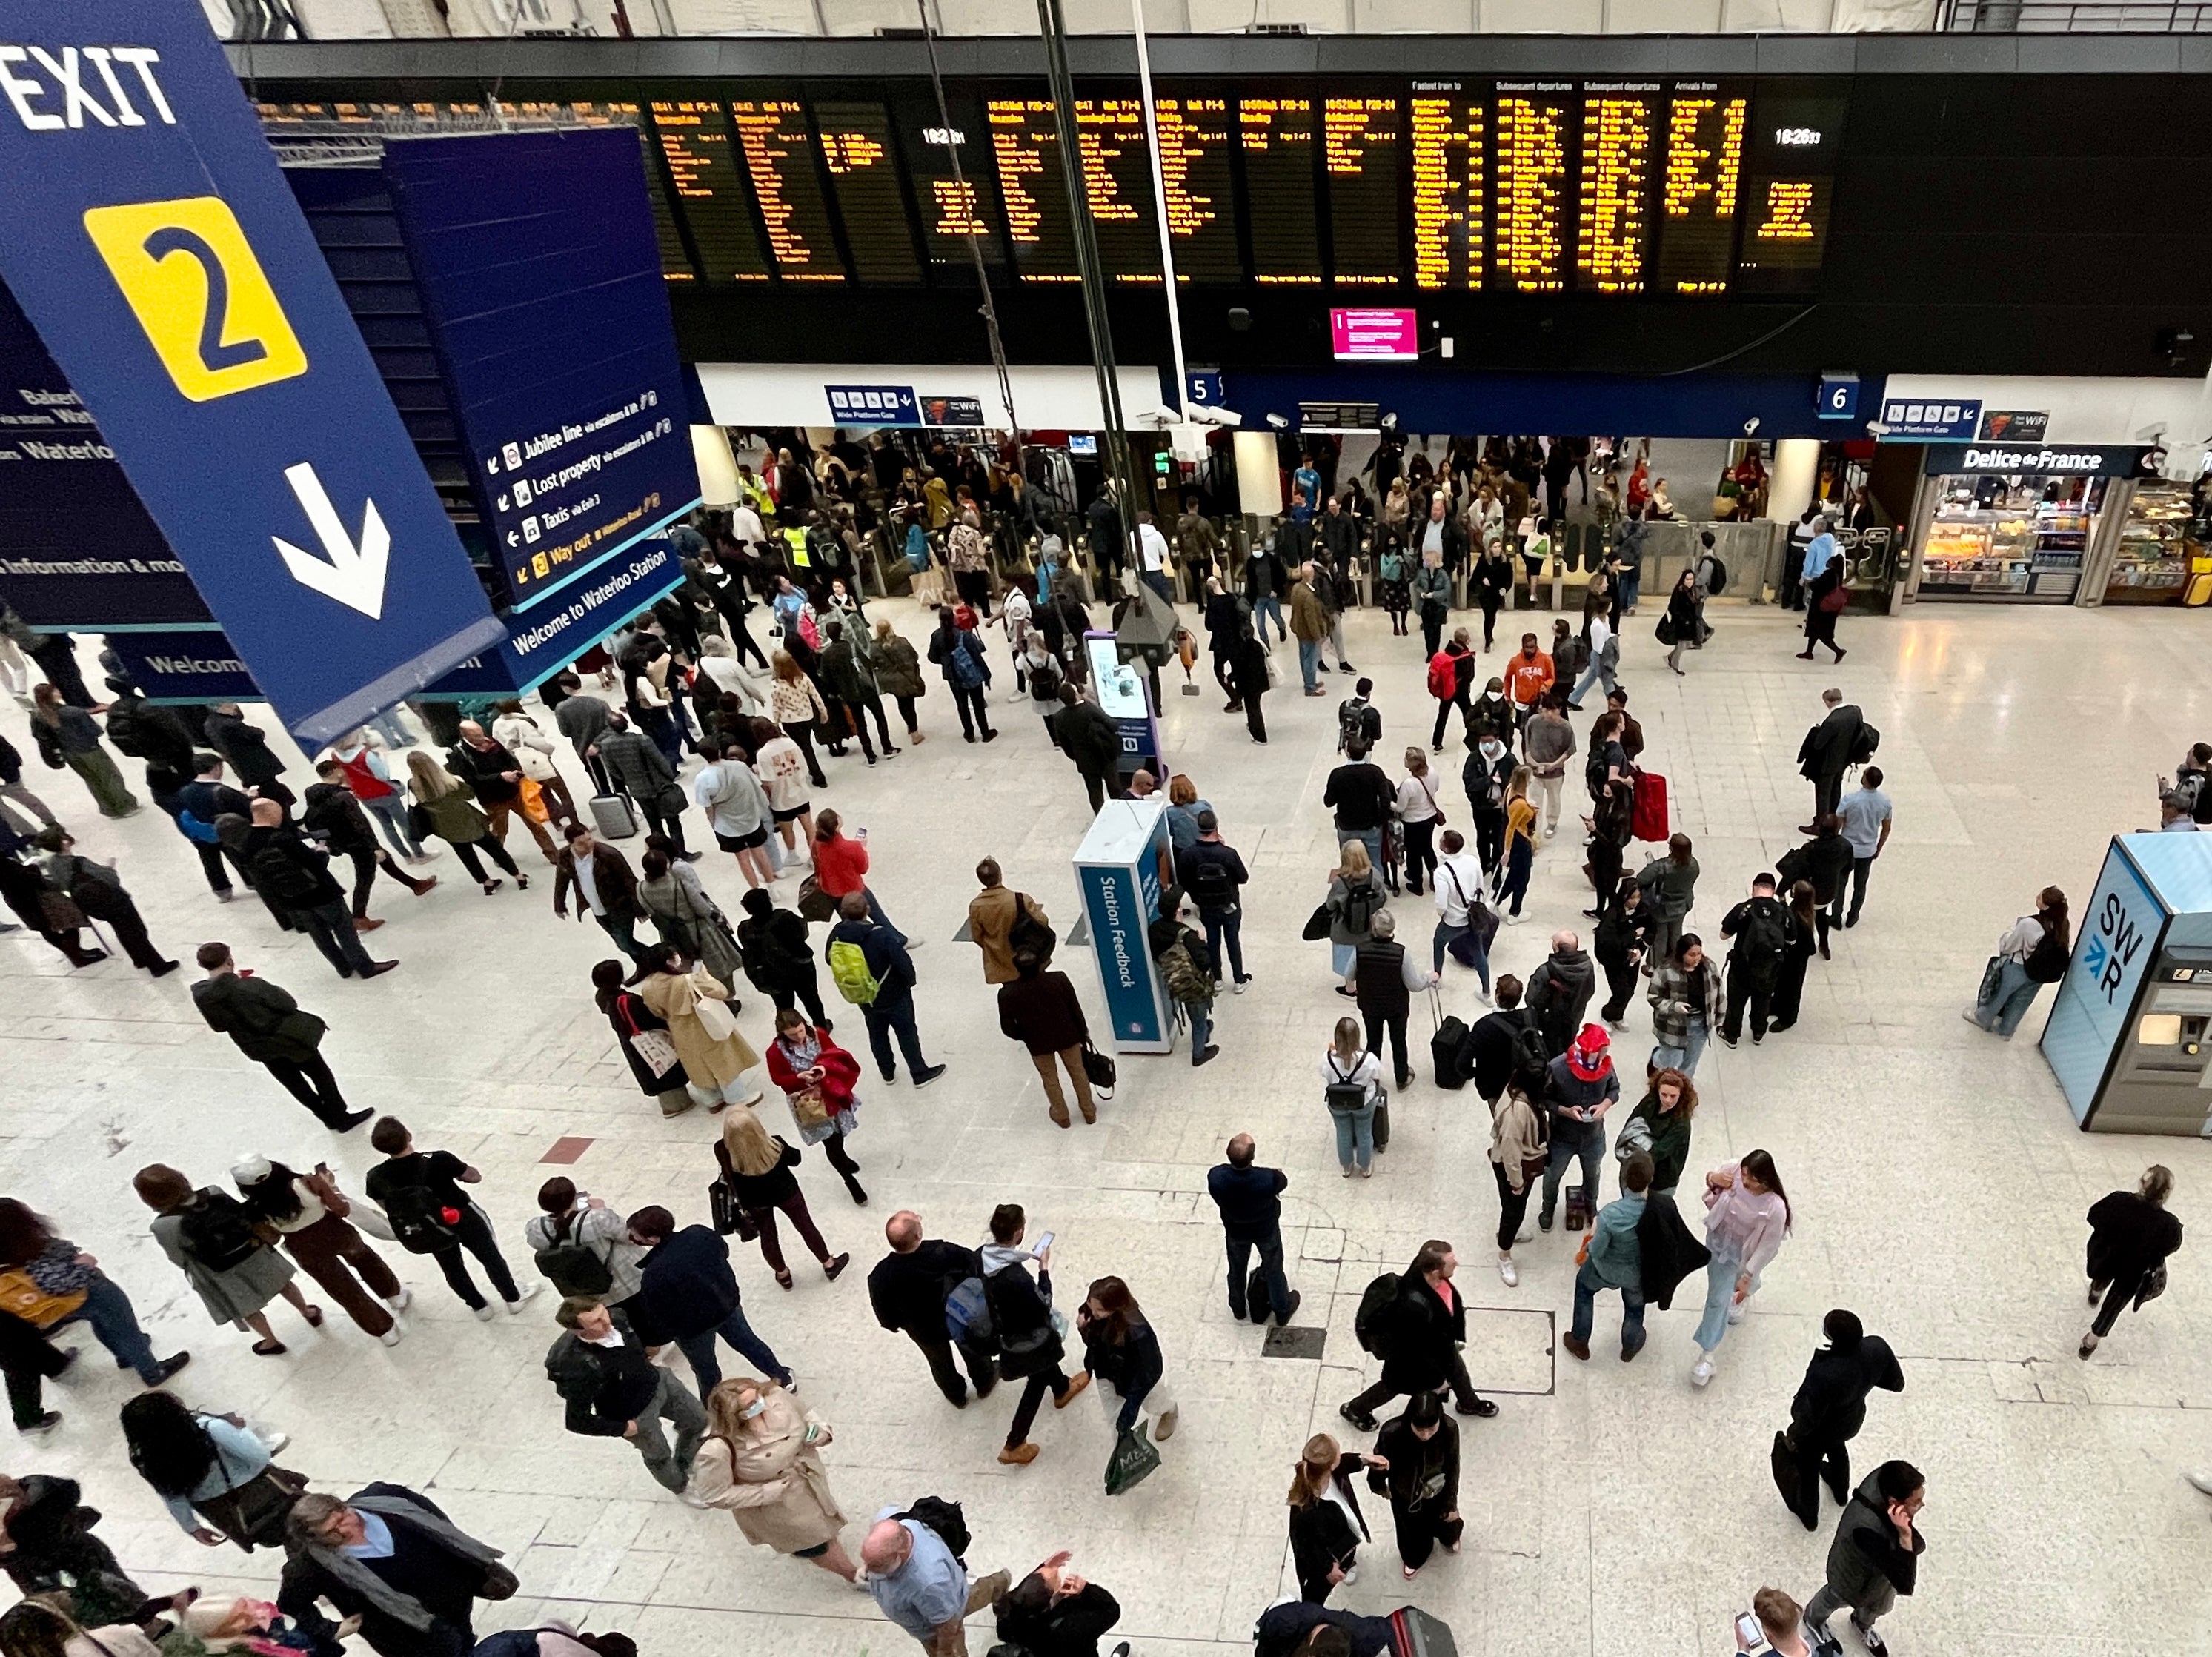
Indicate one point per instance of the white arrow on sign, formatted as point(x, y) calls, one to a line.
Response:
point(354, 572)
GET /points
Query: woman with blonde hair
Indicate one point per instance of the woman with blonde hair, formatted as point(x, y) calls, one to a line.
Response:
point(1326, 1526)
point(1520, 840)
point(761, 1462)
point(1418, 811)
point(455, 818)
point(757, 1165)
point(1352, 1083)
point(896, 666)
point(1355, 898)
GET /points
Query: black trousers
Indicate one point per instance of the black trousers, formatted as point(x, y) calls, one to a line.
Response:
point(1818, 1459)
point(843, 714)
point(1392, 1024)
point(1620, 976)
point(1420, 853)
point(802, 732)
point(474, 1234)
point(130, 930)
point(27, 1358)
point(365, 865)
point(1253, 721)
point(2118, 1296)
point(1491, 603)
point(671, 823)
point(1462, 1389)
point(1512, 1206)
point(1033, 1391)
point(311, 1082)
point(975, 717)
point(466, 851)
point(806, 995)
point(1103, 785)
point(1828, 794)
point(1489, 836)
point(1433, 617)
point(1746, 993)
point(1419, 1529)
point(1457, 699)
point(939, 1355)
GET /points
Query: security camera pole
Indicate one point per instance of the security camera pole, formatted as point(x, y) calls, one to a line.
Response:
point(1118, 474)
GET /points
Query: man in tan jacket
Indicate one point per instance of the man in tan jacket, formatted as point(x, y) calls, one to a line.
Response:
point(991, 916)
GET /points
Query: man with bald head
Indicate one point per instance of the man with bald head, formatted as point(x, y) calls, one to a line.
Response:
point(1249, 1197)
point(907, 1290)
point(491, 769)
point(295, 876)
point(918, 1582)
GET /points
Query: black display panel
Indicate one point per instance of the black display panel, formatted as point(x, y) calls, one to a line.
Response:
point(1533, 194)
point(1026, 146)
point(1117, 187)
point(858, 149)
point(1700, 183)
point(1796, 140)
point(779, 156)
point(1275, 136)
point(950, 207)
point(711, 201)
point(1361, 153)
point(1450, 169)
point(1197, 138)
point(1621, 132)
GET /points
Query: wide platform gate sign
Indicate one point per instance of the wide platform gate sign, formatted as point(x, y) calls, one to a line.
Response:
point(146, 231)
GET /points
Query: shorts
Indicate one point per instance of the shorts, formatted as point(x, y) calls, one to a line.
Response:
point(742, 842)
point(795, 813)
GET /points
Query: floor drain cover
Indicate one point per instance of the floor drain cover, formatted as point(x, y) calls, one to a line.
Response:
point(1294, 1343)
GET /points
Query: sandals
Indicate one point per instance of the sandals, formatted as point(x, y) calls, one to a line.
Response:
point(269, 1348)
point(783, 1280)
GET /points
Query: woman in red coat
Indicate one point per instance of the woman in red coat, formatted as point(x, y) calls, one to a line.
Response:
point(840, 863)
point(817, 1078)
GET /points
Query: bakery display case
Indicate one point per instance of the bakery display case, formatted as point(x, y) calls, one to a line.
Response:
point(2151, 563)
point(2021, 539)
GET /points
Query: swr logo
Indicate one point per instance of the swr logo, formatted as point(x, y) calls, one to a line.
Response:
point(190, 279)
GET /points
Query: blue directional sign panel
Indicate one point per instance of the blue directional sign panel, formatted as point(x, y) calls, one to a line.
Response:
point(77, 548)
point(540, 278)
point(152, 242)
point(542, 640)
point(872, 405)
point(184, 667)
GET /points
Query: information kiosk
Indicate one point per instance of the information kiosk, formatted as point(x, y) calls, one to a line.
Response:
point(1124, 866)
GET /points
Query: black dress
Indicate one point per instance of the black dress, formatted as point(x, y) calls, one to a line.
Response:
point(1821, 622)
point(1322, 1535)
point(1423, 1485)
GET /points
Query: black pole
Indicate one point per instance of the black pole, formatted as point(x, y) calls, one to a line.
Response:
point(1094, 279)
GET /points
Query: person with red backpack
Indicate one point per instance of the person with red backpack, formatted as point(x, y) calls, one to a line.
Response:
point(1451, 677)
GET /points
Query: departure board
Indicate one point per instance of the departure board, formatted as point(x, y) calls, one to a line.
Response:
point(1613, 200)
point(856, 146)
point(1450, 207)
point(1796, 140)
point(1026, 146)
point(1195, 177)
point(703, 171)
point(951, 208)
point(779, 153)
point(1534, 190)
point(1117, 187)
point(1699, 186)
point(1276, 138)
point(1360, 152)
point(1785, 234)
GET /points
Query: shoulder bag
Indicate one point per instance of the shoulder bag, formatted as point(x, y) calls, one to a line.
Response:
point(21, 1297)
point(252, 1514)
point(1098, 1069)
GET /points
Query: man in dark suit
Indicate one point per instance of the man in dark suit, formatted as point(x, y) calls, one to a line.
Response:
point(1420, 1340)
point(392, 1558)
point(1250, 1199)
point(1826, 754)
point(907, 1292)
point(268, 1027)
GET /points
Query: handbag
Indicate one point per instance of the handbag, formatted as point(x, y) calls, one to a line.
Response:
point(59, 911)
point(731, 1217)
point(810, 1107)
point(1098, 1068)
point(533, 802)
point(252, 1514)
point(1833, 600)
point(1991, 974)
point(1317, 924)
point(1134, 1457)
point(1783, 1459)
point(813, 903)
point(655, 1049)
point(21, 1297)
point(713, 1015)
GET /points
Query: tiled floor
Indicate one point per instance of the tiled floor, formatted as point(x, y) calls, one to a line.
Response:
point(1938, 1182)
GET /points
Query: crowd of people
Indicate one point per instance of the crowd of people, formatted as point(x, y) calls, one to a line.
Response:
point(667, 716)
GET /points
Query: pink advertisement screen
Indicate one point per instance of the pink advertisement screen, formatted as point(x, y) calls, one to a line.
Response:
point(1389, 335)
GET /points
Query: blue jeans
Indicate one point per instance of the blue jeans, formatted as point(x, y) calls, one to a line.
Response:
point(699, 1351)
point(391, 814)
point(1355, 1135)
point(386, 724)
point(1591, 1152)
point(115, 1326)
point(1309, 663)
point(1591, 675)
point(893, 1015)
point(1444, 933)
point(1631, 588)
point(1157, 580)
point(1225, 926)
point(1685, 1058)
point(1201, 1014)
point(2015, 995)
point(1720, 1294)
point(1587, 1288)
point(1263, 608)
point(1271, 1269)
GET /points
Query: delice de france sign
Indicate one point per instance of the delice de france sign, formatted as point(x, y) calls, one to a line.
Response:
point(151, 240)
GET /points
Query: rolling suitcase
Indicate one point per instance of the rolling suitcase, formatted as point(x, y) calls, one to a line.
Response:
point(613, 817)
point(1444, 1052)
point(1414, 1633)
point(1649, 820)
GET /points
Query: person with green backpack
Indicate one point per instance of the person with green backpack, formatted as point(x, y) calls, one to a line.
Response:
point(870, 965)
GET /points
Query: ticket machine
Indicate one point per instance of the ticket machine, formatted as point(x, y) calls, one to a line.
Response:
point(2131, 1033)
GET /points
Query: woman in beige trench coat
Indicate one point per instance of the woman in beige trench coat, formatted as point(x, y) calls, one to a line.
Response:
point(696, 1006)
point(761, 1460)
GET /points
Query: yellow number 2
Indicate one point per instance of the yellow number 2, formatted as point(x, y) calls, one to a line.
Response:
point(190, 278)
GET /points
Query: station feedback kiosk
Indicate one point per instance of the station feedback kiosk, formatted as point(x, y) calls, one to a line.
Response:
point(1124, 866)
point(2130, 1032)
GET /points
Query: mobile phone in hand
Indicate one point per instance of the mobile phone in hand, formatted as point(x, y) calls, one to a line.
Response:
point(1749, 1636)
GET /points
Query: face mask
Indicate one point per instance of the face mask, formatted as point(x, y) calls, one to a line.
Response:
point(756, 1407)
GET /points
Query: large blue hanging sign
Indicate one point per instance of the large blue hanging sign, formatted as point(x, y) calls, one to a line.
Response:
point(151, 240)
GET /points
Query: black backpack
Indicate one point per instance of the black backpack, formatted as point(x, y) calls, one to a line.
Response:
point(2046, 962)
point(1529, 1053)
point(282, 876)
point(1864, 744)
point(1211, 885)
point(1030, 935)
point(946, 1520)
point(1717, 579)
point(570, 1263)
point(218, 1234)
point(418, 1224)
point(1377, 1302)
point(1360, 903)
point(1760, 939)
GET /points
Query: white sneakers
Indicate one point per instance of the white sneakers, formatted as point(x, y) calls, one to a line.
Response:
point(1483, 996)
point(2201, 1479)
point(484, 1312)
point(529, 1293)
point(1736, 1313)
point(1702, 1370)
point(1505, 1270)
point(399, 1302)
point(390, 1337)
point(1513, 919)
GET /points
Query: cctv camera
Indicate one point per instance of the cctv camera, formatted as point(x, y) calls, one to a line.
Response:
point(1877, 429)
point(1751, 425)
point(1279, 423)
point(1390, 422)
point(1214, 415)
